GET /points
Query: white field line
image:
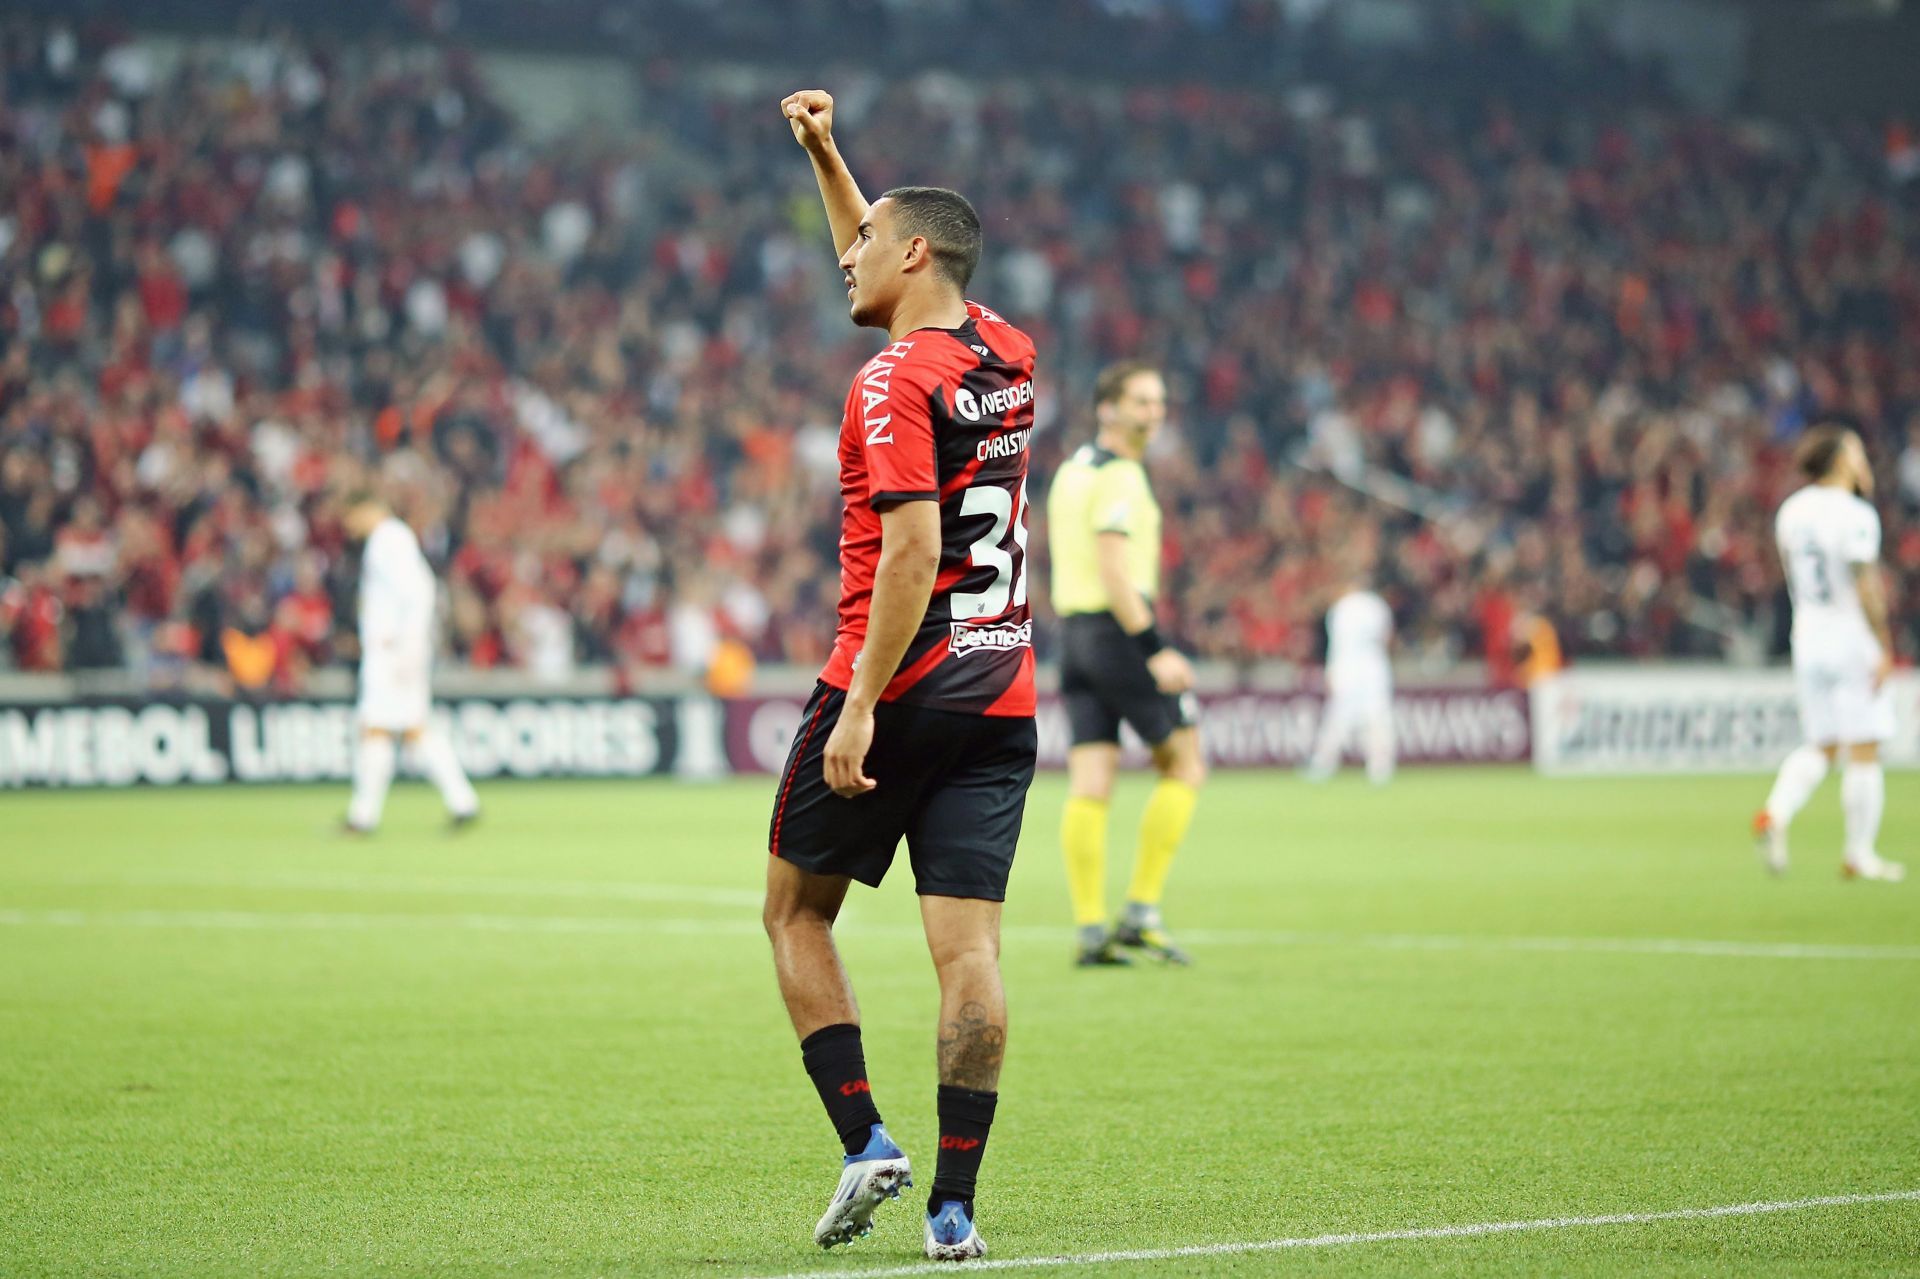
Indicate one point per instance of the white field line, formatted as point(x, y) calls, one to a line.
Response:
point(1469, 1231)
point(638, 926)
point(448, 886)
point(1569, 945)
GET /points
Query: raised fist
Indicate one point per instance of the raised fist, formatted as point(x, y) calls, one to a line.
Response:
point(809, 114)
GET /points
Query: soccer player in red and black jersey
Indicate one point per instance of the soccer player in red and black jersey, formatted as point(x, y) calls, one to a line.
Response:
point(922, 724)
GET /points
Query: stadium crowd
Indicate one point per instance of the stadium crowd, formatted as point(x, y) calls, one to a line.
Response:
point(1519, 362)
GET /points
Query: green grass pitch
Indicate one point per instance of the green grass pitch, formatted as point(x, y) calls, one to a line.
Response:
point(234, 1044)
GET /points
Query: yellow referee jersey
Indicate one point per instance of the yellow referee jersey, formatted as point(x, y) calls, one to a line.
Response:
point(1097, 491)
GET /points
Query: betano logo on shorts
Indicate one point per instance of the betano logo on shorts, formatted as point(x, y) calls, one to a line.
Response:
point(989, 637)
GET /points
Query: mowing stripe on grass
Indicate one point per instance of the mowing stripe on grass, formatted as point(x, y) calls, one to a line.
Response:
point(1600, 945)
point(634, 926)
point(310, 921)
point(631, 890)
point(1469, 1231)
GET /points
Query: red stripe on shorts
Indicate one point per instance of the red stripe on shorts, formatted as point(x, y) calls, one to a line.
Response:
point(780, 812)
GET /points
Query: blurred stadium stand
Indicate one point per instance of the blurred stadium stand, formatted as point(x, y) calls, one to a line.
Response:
point(1504, 316)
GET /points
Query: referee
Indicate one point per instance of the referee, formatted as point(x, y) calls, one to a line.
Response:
point(1104, 527)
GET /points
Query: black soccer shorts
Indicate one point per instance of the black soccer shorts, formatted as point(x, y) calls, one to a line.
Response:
point(954, 786)
point(1104, 681)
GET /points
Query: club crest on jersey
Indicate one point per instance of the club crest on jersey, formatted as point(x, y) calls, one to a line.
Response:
point(989, 637)
point(875, 383)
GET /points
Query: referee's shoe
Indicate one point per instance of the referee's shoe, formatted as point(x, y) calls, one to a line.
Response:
point(1141, 929)
point(1098, 949)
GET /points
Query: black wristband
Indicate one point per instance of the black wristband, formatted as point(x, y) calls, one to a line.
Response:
point(1148, 641)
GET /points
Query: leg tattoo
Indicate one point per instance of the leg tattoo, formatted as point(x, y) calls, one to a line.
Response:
point(971, 1047)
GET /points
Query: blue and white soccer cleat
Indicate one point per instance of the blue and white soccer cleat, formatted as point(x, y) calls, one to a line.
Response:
point(951, 1235)
point(879, 1172)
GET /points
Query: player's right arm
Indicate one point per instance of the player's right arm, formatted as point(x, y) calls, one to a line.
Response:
point(902, 588)
point(1172, 673)
point(389, 605)
point(1124, 600)
point(1861, 548)
point(1873, 602)
point(377, 630)
point(809, 113)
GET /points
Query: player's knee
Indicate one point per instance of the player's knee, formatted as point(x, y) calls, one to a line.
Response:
point(972, 973)
point(1863, 753)
point(788, 919)
point(775, 916)
point(783, 912)
point(957, 957)
point(1090, 772)
point(1179, 760)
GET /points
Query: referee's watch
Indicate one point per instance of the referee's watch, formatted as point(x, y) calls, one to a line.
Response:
point(1148, 641)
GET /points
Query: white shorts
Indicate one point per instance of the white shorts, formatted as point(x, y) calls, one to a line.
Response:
point(395, 696)
point(1838, 702)
point(1360, 691)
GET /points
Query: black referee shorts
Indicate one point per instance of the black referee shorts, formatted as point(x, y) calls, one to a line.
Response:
point(954, 786)
point(1104, 681)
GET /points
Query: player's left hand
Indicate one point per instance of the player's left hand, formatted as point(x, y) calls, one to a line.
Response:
point(1882, 671)
point(846, 754)
point(1172, 672)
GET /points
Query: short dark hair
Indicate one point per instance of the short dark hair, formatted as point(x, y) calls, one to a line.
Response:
point(1820, 445)
point(948, 224)
point(1112, 382)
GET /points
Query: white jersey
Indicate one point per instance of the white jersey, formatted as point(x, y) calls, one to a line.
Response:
point(396, 630)
point(1824, 534)
point(396, 592)
point(1359, 686)
point(1359, 628)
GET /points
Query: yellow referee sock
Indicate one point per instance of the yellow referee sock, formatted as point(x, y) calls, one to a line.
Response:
point(1162, 827)
point(1083, 838)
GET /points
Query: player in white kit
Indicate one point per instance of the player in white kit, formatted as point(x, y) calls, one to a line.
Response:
point(1359, 686)
point(1829, 537)
point(396, 656)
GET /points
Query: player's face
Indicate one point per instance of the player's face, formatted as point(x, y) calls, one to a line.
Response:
point(362, 520)
point(873, 266)
point(1854, 454)
point(1141, 409)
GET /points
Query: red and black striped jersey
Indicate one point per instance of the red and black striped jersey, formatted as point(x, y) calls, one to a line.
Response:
point(945, 415)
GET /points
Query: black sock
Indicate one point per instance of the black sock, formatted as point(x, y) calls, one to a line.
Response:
point(838, 1067)
point(965, 1117)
